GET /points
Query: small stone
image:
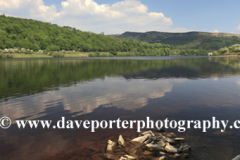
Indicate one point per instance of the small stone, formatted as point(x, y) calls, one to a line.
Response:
point(163, 158)
point(171, 149)
point(179, 139)
point(141, 139)
point(161, 143)
point(171, 135)
point(148, 132)
point(147, 141)
point(123, 158)
point(168, 140)
point(129, 157)
point(133, 150)
point(159, 134)
point(154, 147)
point(147, 153)
point(162, 153)
point(110, 146)
point(109, 156)
point(155, 138)
point(176, 155)
point(121, 140)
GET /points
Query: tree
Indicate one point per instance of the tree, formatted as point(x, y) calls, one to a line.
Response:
point(2, 46)
point(113, 53)
point(35, 47)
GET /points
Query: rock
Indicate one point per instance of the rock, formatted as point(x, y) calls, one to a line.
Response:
point(141, 139)
point(176, 155)
point(147, 141)
point(163, 158)
point(156, 138)
point(162, 153)
point(171, 135)
point(236, 158)
point(161, 143)
point(168, 140)
point(179, 139)
point(120, 141)
point(109, 156)
point(129, 157)
point(147, 153)
point(110, 146)
point(148, 146)
point(133, 150)
point(154, 147)
point(171, 149)
point(148, 132)
point(159, 134)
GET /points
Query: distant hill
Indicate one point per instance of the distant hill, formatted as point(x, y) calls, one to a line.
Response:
point(17, 35)
point(37, 35)
point(189, 40)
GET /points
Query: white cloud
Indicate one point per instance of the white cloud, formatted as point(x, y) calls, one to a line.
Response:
point(216, 31)
point(114, 93)
point(88, 8)
point(28, 9)
point(130, 6)
point(87, 15)
point(238, 28)
point(180, 30)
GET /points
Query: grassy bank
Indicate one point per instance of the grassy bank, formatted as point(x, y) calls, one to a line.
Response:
point(89, 54)
point(57, 54)
point(37, 55)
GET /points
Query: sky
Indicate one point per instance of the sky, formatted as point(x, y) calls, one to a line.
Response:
point(118, 16)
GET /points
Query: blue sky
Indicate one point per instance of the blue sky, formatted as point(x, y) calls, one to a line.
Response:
point(117, 16)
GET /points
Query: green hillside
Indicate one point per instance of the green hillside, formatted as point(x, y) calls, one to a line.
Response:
point(38, 39)
point(36, 35)
point(189, 40)
point(230, 50)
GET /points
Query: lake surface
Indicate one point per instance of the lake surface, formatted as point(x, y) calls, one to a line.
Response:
point(188, 88)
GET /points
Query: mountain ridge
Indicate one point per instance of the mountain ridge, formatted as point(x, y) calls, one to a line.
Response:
point(185, 40)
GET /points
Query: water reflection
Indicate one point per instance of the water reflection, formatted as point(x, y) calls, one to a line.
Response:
point(107, 89)
point(86, 97)
point(26, 77)
point(83, 85)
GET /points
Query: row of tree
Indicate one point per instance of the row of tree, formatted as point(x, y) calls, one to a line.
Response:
point(35, 35)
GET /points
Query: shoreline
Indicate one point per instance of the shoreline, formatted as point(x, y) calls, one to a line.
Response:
point(86, 55)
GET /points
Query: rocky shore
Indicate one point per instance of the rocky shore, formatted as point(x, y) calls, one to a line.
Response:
point(149, 145)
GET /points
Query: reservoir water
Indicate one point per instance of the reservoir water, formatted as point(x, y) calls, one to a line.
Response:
point(132, 88)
